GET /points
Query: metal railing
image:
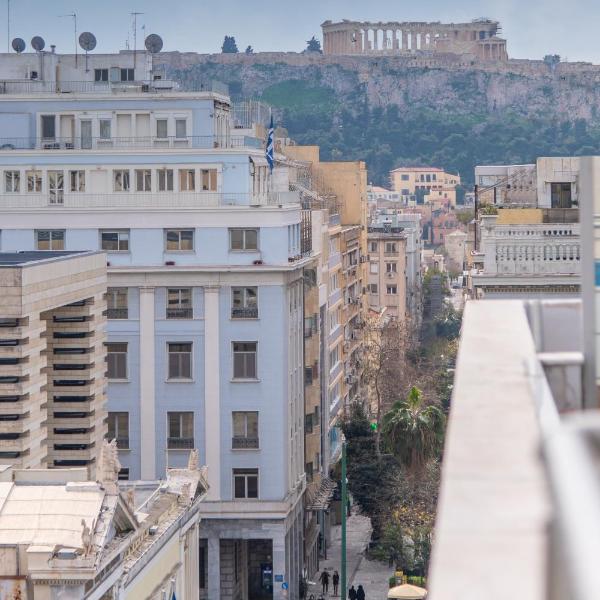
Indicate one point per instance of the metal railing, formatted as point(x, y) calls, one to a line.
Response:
point(117, 313)
point(238, 442)
point(247, 312)
point(180, 443)
point(104, 143)
point(180, 313)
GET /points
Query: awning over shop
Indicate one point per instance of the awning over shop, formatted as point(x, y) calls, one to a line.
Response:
point(323, 496)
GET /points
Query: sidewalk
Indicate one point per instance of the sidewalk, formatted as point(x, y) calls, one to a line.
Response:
point(372, 575)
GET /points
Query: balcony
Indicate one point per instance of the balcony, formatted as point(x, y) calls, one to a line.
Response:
point(247, 312)
point(180, 313)
point(180, 443)
point(117, 313)
point(244, 443)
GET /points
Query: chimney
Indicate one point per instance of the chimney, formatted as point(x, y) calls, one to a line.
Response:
point(53, 48)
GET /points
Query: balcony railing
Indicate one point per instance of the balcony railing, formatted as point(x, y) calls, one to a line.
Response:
point(117, 313)
point(247, 312)
point(143, 200)
point(180, 443)
point(122, 443)
point(111, 143)
point(180, 313)
point(238, 443)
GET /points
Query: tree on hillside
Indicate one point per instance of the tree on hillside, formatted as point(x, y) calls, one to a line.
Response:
point(552, 59)
point(249, 50)
point(229, 46)
point(313, 45)
point(414, 430)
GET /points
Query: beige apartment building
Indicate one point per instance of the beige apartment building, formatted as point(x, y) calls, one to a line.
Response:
point(52, 358)
point(433, 183)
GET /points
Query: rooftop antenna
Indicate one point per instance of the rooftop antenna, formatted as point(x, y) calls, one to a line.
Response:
point(87, 41)
point(73, 15)
point(7, 25)
point(18, 45)
point(38, 43)
point(153, 43)
point(135, 16)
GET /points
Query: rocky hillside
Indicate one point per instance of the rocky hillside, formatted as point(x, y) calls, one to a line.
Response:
point(396, 110)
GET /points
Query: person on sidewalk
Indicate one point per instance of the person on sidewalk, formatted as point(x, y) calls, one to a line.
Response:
point(324, 579)
point(360, 593)
point(336, 582)
point(352, 593)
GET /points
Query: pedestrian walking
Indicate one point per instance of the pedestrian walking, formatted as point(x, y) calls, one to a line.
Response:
point(336, 582)
point(352, 593)
point(324, 579)
point(360, 593)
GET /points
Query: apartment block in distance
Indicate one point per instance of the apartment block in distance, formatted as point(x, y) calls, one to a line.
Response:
point(52, 358)
point(418, 185)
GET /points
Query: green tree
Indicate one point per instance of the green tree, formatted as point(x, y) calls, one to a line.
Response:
point(313, 45)
point(229, 46)
point(414, 430)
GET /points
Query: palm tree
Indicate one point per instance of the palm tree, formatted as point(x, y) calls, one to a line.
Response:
point(414, 430)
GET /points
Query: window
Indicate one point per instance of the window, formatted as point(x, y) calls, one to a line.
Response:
point(165, 180)
point(374, 267)
point(50, 239)
point(121, 180)
point(105, 127)
point(405, 191)
point(143, 180)
point(116, 302)
point(391, 289)
point(179, 303)
point(202, 563)
point(162, 128)
point(208, 179)
point(244, 303)
point(123, 474)
point(390, 267)
point(187, 180)
point(334, 319)
point(77, 179)
point(180, 128)
point(118, 428)
point(334, 357)
point(181, 430)
point(334, 283)
point(115, 241)
point(373, 288)
point(127, 75)
point(180, 360)
point(179, 240)
point(116, 359)
point(245, 430)
point(244, 360)
point(56, 187)
point(372, 246)
point(561, 195)
point(390, 247)
point(48, 127)
point(34, 181)
point(100, 74)
point(12, 181)
point(404, 177)
point(243, 239)
point(245, 483)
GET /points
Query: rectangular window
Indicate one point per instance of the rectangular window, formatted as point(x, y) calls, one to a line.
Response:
point(127, 75)
point(100, 74)
point(181, 430)
point(117, 303)
point(165, 180)
point(391, 290)
point(404, 177)
point(115, 241)
point(105, 127)
point(208, 179)
point(180, 360)
point(143, 180)
point(243, 239)
point(374, 267)
point(179, 303)
point(244, 303)
point(50, 239)
point(561, 195)
point(372, 246)
point(334, 357)
point(202, 563)
point(245, 483)
point(48, 127)
point(118, 428)
point(56, 187)
point(187, 180)
point(12, 181)
point(121, 180)
point(161, 128)
point(244, 360)
point(179, 240)
point(373, 288)
point(390, 267)
point(180, 128)
point(390, 247)
point(34, 181)
point(245, 430)
point(116, 359)
point(77, 179)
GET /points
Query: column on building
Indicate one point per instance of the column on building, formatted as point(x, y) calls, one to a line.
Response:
point(190, 560)
point(404, 39)
point(213, 582)
point(147, 379)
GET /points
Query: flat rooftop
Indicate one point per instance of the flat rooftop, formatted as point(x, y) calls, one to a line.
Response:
point(21, 259)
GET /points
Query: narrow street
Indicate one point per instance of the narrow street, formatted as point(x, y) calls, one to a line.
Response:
point(372, 575)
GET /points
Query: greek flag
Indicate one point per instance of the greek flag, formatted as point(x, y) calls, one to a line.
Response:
point(269, 150)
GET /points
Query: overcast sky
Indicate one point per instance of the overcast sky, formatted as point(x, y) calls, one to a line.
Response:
point(533, 27)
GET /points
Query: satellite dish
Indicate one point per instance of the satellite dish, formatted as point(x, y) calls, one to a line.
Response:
point(18, 45)
point(153, 43)
point(38, 43)
point(87, 41)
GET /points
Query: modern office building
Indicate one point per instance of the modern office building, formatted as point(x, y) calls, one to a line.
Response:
point(52, 357)
point(205, 292)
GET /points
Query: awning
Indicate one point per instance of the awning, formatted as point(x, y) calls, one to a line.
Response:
point(407, 592)
point(259, 161)
point(323, 496)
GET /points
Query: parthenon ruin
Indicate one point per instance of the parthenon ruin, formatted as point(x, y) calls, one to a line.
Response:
point(478, 38)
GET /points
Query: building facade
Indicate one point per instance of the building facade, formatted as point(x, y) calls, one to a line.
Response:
point(419, 185)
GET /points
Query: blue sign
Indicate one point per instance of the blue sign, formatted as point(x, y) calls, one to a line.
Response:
point(284, 585)
point(279, 578)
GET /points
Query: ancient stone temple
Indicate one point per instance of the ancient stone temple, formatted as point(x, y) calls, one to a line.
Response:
point(478, 38)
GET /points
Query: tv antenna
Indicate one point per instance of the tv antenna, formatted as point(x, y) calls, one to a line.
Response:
point(38, 43)
point(7, 24)
point(73, 15)
point(153, 43)
point(18, 45)
point(87, 41)
point(135, 16)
